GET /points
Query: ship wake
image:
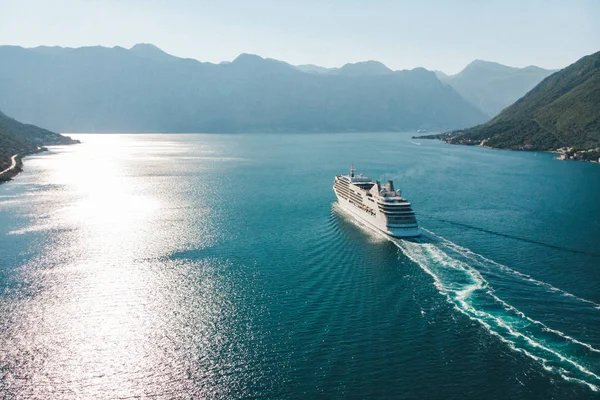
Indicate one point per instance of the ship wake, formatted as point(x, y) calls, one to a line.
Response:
point(458, 274)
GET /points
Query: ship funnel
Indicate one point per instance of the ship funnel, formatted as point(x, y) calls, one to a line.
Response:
point(391, 186)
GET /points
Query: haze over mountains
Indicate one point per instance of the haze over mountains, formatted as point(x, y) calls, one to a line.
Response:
point(143, 89)
point(360, 68)
point(97, 89)
point(491, 87)
point(562, 111)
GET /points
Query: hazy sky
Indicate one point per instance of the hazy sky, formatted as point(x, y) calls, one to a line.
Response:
point(443, 35)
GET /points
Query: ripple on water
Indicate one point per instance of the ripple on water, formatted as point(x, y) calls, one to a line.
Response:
point(192, 266)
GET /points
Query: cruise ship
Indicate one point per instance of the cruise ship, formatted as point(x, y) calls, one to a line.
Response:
point(381, 207)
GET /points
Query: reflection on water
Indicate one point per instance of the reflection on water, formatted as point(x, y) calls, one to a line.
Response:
point(213, 266)
point(101, 310)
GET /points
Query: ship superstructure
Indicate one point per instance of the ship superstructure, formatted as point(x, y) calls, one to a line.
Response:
point(381, 206)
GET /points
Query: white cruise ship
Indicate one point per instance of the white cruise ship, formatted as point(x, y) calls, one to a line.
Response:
point(381, 207)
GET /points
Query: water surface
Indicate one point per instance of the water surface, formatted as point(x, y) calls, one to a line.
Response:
point(219, 266)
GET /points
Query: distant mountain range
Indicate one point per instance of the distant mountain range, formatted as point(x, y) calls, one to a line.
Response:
point(19, 138)
point(562, 111)
point(491, 87)
point(143, 89)
point(360, 68)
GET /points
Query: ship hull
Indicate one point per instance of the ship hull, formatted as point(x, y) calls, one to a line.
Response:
point(374, 222)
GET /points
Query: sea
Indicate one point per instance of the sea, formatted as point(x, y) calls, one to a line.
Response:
point(170, 266)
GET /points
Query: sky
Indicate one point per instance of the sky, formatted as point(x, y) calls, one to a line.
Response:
point(437, 35)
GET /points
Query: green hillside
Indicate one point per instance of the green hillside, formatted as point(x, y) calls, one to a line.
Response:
point(19, 138)
point(562, 111)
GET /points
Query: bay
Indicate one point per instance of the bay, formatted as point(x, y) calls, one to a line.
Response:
point(219, 266)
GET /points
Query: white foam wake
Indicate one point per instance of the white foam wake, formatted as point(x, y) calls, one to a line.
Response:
point(481, 260)
point(455, 276)
point(466, 289)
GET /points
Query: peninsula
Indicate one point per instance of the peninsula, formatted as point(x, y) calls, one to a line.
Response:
point(18, 140)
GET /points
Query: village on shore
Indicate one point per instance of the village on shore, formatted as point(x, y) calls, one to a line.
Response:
point(571, 153)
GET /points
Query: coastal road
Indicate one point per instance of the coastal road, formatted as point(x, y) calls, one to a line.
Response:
point(13, 164)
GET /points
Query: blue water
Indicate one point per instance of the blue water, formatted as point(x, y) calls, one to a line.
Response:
point(219, 266)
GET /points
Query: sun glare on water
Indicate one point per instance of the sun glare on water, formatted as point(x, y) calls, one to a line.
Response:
point(106, 200)
point(111, 299)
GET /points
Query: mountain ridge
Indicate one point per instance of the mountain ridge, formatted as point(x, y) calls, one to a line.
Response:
point(492, 86)
point(562, 111)
point(99, 89)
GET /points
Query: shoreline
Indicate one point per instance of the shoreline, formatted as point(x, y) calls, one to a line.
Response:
point(17, 164)
point(494, 148)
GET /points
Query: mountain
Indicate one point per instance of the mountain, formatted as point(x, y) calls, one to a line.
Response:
point(17, 138)
point(364, 68)
point(142, 89)
point(562, 111)
point(442, 76)
point(316, 69)
point(149, 51)
point(351, 69)
point(491, 87)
